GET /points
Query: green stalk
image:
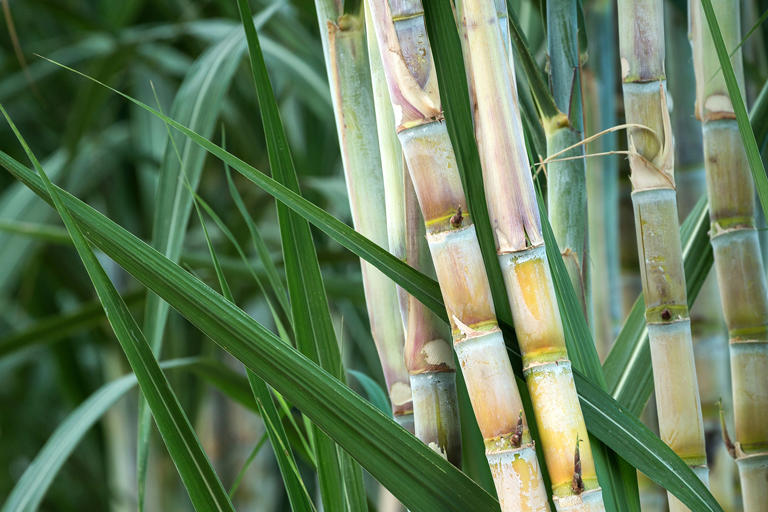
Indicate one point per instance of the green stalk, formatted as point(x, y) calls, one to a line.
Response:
point(522, 256)
point(738, 260)
point(428, 355)
point(603, 175)
point(641, 44)
point(566, 180)
point(346, 57)
point(709, 341)
point(407, 60)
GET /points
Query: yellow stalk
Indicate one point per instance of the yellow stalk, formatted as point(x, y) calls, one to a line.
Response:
point(407, 60)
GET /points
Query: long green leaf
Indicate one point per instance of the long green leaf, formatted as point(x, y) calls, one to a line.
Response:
point(294, 485)
point(33, 484)
point(202, 483)
point(198, 103)
point(739, 108)
point(340, 478)
point(30, 489)
point(420, 478)
point(422, 287)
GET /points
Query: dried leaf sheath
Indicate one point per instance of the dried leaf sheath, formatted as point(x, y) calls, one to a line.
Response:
point(428, 354)
point(641, 38)
point(738, 261)
point(407, 61)
point(344, 42)
point(499, 133)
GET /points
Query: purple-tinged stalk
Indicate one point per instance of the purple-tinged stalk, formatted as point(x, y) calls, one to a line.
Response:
point(641, 46)
point(428, 354)
point(411, 79)
point(738, 260)
point(520, 247)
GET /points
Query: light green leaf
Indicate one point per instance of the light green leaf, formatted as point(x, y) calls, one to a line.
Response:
point(416, 475)
point(202, 483)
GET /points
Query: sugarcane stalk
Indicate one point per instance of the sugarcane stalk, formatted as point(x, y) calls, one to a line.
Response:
point(519, 241)
point(428, 354)
point(602, 175)
point(710, 345)
point(346, 57)
point(450, 233)
point(651, 157)
point(566, 179)
point(738, 260)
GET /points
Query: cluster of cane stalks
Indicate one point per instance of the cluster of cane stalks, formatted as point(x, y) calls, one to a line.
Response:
point(400, 167)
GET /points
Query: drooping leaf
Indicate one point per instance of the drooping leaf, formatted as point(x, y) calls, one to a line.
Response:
point(416, 475)
point(202, 483)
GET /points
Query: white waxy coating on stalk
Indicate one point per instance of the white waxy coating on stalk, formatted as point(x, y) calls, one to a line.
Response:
point(677, 390)
point(490, 382)
point(509, 473)
point(436, 413)
point(753, 472)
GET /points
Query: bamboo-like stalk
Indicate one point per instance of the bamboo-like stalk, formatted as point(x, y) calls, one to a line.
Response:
point(566, 180)
point(428, 354)
point(710, 345)
point(407, 60)
point(738, 261)
point(519, 243)
point(641, 46)
point(602, 175)
point(346, 56)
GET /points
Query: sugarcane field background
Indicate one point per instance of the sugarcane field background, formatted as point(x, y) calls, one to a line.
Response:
point(384, 255)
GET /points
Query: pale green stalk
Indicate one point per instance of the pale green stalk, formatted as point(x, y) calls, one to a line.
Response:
point(428, 354)
point(641, 45)
point(602, 175)
point(450, 232)
point(709, 341)
point(566, 180)
point(346, 57)
point(738, 260)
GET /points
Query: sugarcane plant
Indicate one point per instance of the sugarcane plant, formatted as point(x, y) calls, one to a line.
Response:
point(651, 157)
point(710, 344)
point(427, 353)
point(737, 255)
point(459, 127)
point(514, 217)
point(406, 57)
